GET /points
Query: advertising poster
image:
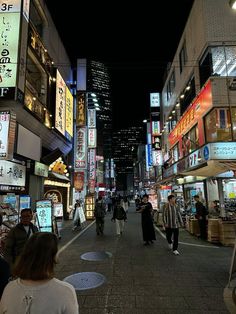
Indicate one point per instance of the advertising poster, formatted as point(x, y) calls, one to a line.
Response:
point(24, 201)
point(58, 210)
point(4, 129)
point(81, 215)
point(60, 115)
point(44, 214)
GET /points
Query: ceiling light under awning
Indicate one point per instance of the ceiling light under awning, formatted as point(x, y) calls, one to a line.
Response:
point(212, 168)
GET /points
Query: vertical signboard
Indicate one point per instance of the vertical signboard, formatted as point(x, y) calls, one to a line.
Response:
point(81, 149)
point(9, 38)
point(92, 118)
point(60, 111)
point(154, 100)
point(92, 138)
point(80, 110)
point(69, 114)
point(7, 134)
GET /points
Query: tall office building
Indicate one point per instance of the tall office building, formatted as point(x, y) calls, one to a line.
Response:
point(93, 77)
point(125, 144)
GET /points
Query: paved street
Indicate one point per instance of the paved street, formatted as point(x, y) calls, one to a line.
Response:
point(146, 279)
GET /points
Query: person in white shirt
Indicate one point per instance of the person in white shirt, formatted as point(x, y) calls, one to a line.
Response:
point(36, 291)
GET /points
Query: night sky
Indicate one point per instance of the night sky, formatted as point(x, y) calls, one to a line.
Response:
point(136, 42)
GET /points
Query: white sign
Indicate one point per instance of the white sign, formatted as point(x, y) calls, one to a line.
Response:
point(60, 115)
point(157, 159)
point(58, 209)
point(12, 173)
point(81, 215)
point(44, 213)
point(4, 129)
point(40, 169)
point(9, 36)
point(92, 138)
point(10, 6)
point(222, 150)
point(81, 149)
point(92, 118)
point(154, 100)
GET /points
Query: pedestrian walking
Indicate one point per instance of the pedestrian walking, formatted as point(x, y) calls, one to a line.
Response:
point(145, 208)
point(76, 218)
point(36, 290)
point(18, 236)
point(201, 213)
point(172, 221)
point(99, 214)
point(119, 217)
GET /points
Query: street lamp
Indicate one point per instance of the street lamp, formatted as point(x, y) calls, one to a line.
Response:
point(232, 4)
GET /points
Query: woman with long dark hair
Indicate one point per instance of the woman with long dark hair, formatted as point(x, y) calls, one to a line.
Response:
point(36, 291)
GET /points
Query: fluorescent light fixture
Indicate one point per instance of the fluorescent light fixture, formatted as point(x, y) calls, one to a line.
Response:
point(93, 95)
point(232, 4)
point(95, 100)
point(145, 121)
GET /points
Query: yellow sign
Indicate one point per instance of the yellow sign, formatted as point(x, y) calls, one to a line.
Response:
point(69, 112)
point(9, 26)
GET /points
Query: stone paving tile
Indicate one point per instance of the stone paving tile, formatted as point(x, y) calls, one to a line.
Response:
point(161, 302)
point(206, 303)
point(121, 301)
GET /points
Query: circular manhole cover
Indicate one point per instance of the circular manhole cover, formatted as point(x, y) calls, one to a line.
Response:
point(85, 280)
point(96, 256)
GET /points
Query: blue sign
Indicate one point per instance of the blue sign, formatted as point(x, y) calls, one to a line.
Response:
point(206, 153)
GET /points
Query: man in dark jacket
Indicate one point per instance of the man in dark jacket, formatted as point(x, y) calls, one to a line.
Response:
point(201, 213)
point(99, 214)
point(18, 235)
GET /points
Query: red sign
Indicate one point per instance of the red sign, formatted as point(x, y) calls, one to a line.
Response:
point(79, 180)
point(193, 115)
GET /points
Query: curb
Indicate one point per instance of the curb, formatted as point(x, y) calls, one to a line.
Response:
point(230, 296)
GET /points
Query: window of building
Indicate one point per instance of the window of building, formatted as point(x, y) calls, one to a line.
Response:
point(171, 85)
point(37, 78)
point(190, 141)
point(233, 113)
point(182, 57)
point(36, 18)
point(217, 125)
point(188, 95)
point(218, 61)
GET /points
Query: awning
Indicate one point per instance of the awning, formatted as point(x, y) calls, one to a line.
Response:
point(212, 168)
point(55, 175)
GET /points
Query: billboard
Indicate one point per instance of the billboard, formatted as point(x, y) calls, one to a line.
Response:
point(69, 114)
point(60, 112)
point(154, 99)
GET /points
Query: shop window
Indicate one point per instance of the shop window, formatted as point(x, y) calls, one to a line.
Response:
point(175, 153)
point(205, 67)
point(217, 125)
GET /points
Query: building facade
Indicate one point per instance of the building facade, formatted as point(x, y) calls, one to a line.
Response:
point(36, 104)
point(199, 108)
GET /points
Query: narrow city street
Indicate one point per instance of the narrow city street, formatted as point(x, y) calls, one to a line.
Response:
point(145, 279)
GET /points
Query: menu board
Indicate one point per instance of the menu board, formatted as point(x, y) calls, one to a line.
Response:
point(58, 209)
point(44, 215)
